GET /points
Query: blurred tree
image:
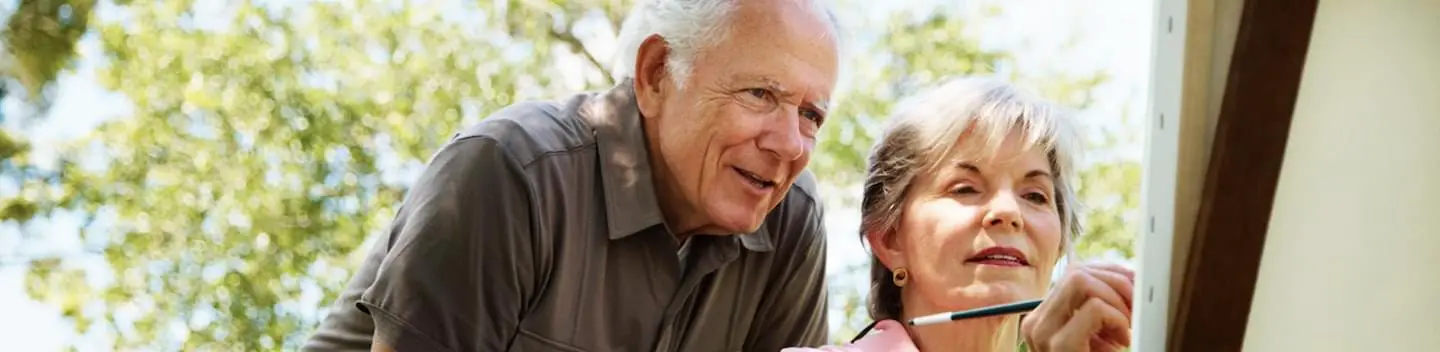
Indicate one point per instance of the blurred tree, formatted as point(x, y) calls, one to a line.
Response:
point(1111, 195)
point(39, 40)
point(265, 138)
point(254, 163)
point(913, 53)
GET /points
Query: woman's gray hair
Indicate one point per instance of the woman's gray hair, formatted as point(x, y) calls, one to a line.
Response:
point(687, 26)
point(926, 130)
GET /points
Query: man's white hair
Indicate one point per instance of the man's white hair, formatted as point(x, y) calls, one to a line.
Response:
point(688, 26)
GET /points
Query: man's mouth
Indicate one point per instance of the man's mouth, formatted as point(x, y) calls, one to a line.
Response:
point(755, 179)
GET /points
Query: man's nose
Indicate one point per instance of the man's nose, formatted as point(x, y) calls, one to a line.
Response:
point(1004, 212)
point(782, 137)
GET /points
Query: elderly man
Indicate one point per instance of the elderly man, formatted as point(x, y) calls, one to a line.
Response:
point(669, 213)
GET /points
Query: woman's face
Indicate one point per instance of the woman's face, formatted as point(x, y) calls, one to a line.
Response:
point(977, 232)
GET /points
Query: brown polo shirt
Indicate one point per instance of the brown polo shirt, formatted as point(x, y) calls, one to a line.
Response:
point(538, 230)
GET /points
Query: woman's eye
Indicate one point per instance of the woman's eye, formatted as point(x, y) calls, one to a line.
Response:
point(1037, 197)
point(813, 116)
point(965, 190)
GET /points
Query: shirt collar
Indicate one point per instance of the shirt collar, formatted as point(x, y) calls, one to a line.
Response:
point(625, 171)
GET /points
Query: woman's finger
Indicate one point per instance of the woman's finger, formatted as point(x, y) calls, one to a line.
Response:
point(1123, 290)
point(1047, 318)
point(1062, 303)
point(1070, 293)
point(1087, 283)
point(1039, 325)
point(1101, 345)
point(1111, 267)
point(1094, 319)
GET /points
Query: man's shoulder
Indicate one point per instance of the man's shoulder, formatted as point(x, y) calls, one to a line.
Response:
point(805, 189)
point(529, 130)
point(799, 219)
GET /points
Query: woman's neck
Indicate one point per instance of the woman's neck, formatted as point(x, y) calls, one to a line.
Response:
point(997, 334)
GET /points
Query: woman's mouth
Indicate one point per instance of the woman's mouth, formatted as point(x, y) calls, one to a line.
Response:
point(999, 256)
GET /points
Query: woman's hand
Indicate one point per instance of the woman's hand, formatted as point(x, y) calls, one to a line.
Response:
point(1088, 311)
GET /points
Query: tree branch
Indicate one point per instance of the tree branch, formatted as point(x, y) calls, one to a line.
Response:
point(14, 259)
point(575, 43)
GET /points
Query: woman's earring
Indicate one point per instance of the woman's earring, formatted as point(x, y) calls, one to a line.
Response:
point(900, 276)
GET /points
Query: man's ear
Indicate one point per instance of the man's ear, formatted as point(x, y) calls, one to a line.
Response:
point(652, 78)
point(886, 246)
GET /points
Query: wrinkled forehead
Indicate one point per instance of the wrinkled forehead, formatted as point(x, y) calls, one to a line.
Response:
point(789, 43)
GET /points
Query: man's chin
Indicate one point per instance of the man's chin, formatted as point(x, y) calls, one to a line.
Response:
point(738, 222)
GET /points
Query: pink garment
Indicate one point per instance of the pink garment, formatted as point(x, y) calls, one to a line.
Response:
point(887, 336)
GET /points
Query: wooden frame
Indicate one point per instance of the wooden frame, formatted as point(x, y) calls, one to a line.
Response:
point(1151, 319)
point(1244, 166)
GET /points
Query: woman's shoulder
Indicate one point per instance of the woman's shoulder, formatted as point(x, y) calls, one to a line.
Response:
point(887, 336)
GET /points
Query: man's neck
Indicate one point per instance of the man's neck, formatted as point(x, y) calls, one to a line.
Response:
point(998, 334)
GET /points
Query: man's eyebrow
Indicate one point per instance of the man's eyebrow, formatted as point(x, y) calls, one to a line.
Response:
point(767, 81)
point(779, 90)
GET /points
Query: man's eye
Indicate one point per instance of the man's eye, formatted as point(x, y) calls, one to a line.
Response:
point(758, 93)
point(758, 99)
point(1037, 197)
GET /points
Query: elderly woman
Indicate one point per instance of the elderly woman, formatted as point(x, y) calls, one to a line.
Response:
point(969, 202)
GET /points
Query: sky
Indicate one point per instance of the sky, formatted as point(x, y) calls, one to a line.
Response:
point(1052, 35)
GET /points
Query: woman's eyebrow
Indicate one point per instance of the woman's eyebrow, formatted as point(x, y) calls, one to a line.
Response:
point(822, 105)
point(1040, 174)
point(967, 166)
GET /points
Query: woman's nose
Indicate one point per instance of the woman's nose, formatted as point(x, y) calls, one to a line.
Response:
point(1004, 211)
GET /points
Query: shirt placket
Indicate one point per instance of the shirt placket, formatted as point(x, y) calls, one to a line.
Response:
point(705, 259)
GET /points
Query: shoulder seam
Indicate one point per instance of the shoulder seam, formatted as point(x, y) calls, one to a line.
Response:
point(526, 164)
point(550, 153)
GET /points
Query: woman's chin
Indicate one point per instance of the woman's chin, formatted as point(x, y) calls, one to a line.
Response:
point(983, 294)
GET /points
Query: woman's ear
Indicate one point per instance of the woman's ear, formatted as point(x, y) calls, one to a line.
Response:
point(886, 246)
point(651, 75)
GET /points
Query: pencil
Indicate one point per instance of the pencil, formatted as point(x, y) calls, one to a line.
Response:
point(1010, 308)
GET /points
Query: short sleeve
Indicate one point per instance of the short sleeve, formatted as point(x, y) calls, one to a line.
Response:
point(462, 257)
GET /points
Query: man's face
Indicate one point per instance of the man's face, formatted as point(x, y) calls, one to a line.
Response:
point(742, 128)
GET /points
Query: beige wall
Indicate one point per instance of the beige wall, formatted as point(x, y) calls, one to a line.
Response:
point(1352, 259)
